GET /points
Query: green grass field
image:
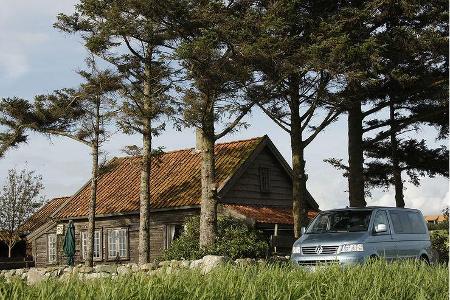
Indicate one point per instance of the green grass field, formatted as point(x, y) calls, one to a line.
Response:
point(375, 281)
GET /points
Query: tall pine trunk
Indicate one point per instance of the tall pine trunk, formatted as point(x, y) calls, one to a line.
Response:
point(89, 261)
point(299, 193)
point(208, 209)
point(396, 170)
point(298, 186)
point(144, 197)
point(355, 156)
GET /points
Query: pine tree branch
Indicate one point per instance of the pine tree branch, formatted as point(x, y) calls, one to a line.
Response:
point(64, 134)
point(275, 119)
point(308, 114)
point(379, 125)
point(12, 141)
point(374, 110)
point(331, 116)
point(403, 124)
point(234, 123)
point(132, 49)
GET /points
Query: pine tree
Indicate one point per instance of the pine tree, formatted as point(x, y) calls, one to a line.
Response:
point(401, 72)
point(80, 114)
point(218, 79)
point(135, 37)
point(294, 88)
point(413, 158)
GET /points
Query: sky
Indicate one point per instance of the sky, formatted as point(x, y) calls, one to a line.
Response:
point(36, 59)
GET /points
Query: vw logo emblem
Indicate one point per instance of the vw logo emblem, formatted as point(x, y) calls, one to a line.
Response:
point(319, 249)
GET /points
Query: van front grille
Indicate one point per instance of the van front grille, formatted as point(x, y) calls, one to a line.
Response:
point(317, 262)
point(320, 250)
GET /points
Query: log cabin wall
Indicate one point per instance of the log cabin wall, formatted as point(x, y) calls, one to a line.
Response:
point(131, 222)
point(248, 190)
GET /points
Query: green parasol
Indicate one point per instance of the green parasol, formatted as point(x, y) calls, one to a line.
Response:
point(69, 243)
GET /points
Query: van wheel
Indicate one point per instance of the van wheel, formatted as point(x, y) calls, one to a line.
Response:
point(424, 260)
point(373, 258)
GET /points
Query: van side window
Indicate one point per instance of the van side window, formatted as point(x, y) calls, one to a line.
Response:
point(416, 221)
point(407, 222)
point(380, 218)
point(396, 222)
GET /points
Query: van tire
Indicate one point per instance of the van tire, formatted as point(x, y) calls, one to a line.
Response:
point(424, 259)
point(373, 258)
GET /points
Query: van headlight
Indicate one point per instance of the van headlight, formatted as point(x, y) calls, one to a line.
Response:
point(296, 249)
point(352, 248)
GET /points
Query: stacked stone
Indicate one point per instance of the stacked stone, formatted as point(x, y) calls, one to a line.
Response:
point(204, 265)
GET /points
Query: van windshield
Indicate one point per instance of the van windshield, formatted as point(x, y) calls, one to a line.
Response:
point(341, 221)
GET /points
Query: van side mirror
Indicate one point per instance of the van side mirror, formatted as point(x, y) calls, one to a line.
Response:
point(380, 228)
point(303, 230)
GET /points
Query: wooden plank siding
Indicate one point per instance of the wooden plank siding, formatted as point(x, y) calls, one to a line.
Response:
point(131, 222)
point(247, 189)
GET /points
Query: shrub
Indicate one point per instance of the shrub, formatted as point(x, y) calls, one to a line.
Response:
point(187, 245)
point(439, 226)
point(440, 244)
point(235, 239)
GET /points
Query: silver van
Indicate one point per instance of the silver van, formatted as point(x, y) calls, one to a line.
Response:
point(353, 235)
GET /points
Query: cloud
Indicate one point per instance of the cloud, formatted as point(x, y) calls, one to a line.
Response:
point(24, 27)
point(12, 65)
point(14, 52)
point(430, 197)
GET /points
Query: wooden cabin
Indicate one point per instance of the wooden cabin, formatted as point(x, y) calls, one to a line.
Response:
point(253, 183)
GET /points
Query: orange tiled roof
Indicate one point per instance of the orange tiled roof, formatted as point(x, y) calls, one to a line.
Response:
point(436, 218)
point(264, 214)
point(40, 217)
point(174, 182)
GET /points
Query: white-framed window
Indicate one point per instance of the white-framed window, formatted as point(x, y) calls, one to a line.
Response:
point(117, 243)
point(173, 231)
point(97, 244)
point(51, 246)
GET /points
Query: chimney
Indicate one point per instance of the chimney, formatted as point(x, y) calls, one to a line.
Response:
point(198, 140)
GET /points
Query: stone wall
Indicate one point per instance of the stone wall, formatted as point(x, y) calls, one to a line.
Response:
point(204, 265)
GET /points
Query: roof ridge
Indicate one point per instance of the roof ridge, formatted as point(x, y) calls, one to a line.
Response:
point(242, 140)
point(192, 148)
point(60, 197)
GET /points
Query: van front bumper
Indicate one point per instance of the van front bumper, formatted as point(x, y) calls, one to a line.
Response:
point(349, 258)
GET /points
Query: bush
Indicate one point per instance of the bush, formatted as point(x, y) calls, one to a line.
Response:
point(440, 244)
point(187, 245)
point(235, 239)
point(439, 226)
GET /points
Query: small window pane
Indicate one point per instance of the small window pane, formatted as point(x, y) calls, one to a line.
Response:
point(97, 244)
point(52, 248)
point(112, 243)
point(122, 243)
point(264, 178)
point(117, 243)
point(84, 244)
point(97, 241)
